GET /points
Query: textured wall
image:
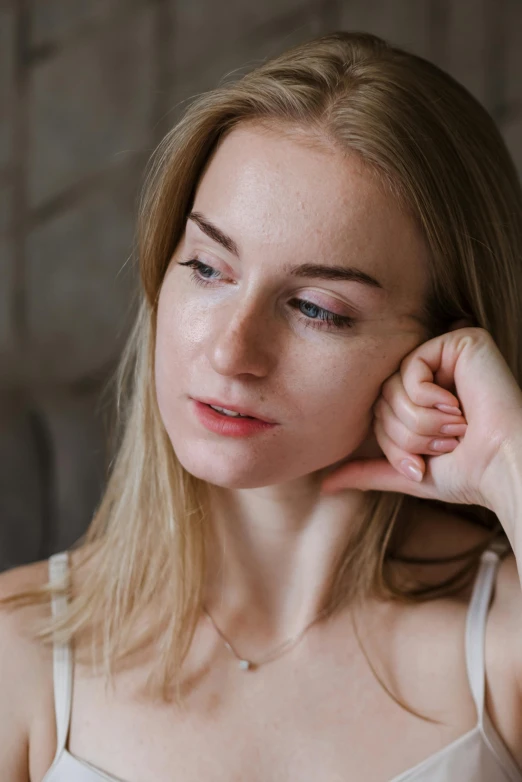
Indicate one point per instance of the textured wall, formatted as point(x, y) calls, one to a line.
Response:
point(87, 89)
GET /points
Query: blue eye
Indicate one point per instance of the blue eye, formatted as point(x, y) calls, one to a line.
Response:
point(331, 318)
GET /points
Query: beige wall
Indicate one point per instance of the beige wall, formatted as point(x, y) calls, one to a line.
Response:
point(86, 91)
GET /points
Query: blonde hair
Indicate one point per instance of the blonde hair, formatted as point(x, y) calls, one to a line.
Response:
point(437, 150)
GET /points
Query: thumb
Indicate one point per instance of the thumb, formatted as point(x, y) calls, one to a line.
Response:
point(371, 475)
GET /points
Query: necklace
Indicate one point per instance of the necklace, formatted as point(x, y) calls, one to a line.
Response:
point(249, 665)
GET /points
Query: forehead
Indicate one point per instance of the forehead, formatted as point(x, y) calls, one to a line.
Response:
point(285, 198)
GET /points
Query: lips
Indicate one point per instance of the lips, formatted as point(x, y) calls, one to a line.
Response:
point(219, 409)
point(235, 408)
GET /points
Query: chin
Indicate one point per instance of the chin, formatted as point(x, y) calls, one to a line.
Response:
point(227, 475)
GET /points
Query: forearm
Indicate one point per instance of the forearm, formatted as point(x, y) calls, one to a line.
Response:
point(503, 492)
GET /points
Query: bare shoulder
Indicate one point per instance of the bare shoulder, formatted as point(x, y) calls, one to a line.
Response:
point(23, 577)
point(504, 657)
point(18, 648)
point(441, 534)
point(24, 670)
point(27, 725)
point(15, 623)
point(506, 619)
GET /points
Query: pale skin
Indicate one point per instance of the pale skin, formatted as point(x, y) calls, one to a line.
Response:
point(316, 712)
point(243, 341)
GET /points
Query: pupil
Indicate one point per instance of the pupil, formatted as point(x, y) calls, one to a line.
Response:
point(310, 306)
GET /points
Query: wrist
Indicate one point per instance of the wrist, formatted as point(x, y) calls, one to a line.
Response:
point(502, 487)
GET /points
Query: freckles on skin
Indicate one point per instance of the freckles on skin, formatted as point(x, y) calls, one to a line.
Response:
point(283, 204)
point(314, 204)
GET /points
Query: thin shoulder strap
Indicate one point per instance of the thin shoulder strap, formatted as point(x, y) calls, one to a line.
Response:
point(62, 654)
point(476, 622)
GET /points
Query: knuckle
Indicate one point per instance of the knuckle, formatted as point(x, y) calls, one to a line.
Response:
point(377, 408)
point(390, 387)
point(418, 422)
point(386, 389)
point(406, 361)
point(479, 332)
point(475, 335)
point(413, 424)
point(416, 395)
point(411, 441)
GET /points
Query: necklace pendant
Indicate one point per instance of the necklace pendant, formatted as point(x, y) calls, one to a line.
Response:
point(244, 665)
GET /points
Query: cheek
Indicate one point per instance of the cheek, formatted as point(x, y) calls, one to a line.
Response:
point(162, 377)
point(168, 360)
point(179, 333)
point(348, 387)
point(340, 398)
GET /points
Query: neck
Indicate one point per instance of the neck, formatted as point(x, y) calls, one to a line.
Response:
point(271, 556)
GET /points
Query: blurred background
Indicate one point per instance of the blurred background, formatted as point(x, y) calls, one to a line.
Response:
point(87, 90)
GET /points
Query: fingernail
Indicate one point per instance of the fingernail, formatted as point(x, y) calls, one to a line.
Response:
point(449, 409)
point(456, 429)
point(443, 445)
point(410, 470)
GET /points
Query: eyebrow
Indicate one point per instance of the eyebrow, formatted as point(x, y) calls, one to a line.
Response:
point(308, 270)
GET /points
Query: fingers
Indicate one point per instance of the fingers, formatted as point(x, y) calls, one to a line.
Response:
point(422, 367)
point(377, 475)
point(411, 466)
point(423, 420)
point(431, 432)
point(405, 430)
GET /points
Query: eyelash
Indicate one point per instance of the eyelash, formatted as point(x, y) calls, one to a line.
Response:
point(331, 318)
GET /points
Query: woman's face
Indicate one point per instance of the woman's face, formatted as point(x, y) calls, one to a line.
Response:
point(257, 336)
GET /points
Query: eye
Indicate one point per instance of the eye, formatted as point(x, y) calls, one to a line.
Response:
point(197, 266)
point(330, 318)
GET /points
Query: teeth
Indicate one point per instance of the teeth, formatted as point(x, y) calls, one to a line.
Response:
point(228, 412)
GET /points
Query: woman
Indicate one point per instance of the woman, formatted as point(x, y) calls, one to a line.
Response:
point(331, 245)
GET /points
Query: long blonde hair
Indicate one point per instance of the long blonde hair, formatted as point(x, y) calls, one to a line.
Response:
point(437, 150)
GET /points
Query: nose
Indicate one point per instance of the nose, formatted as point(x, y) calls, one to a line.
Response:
point(241, 339)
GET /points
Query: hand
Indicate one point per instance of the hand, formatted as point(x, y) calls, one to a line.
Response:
point(409, 416)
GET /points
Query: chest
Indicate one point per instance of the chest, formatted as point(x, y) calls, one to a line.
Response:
point(316, 713)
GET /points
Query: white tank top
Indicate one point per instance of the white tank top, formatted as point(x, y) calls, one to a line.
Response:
point(478, 756)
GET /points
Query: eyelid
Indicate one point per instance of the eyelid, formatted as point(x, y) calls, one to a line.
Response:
point(211, 262)
point(333, 320)
point(328, 304)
